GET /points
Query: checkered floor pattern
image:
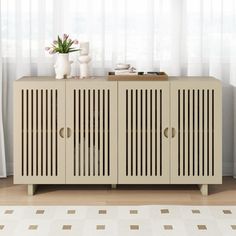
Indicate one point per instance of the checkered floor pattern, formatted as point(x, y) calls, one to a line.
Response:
point(117, 220)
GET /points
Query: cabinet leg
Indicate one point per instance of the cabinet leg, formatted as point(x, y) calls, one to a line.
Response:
point(32, 189)
point(204, 189)
point(113, 186)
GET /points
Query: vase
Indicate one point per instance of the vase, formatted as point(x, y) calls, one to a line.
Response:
point(84, 59)
point(63, 66)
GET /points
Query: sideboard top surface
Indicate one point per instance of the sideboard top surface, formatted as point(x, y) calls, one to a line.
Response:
point(104, 78)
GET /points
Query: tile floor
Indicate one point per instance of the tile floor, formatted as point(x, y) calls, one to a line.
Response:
point(117, 220)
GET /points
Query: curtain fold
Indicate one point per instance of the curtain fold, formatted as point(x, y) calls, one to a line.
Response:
point(2, 143)
point(184, 37)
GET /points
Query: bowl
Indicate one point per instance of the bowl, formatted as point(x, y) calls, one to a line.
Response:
point(122, 66)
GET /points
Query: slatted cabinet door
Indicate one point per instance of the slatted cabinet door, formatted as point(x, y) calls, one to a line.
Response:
point(91, 148)
point(39, 121)
point(143, 132)
point(196, 122)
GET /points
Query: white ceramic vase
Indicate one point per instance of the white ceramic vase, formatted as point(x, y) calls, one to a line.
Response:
point(63, 66)
point(84, 59)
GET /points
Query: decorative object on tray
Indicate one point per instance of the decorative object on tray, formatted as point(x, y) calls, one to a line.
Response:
point(137, 76)
point(84, 59)
point(63, 46)
point(124, 69)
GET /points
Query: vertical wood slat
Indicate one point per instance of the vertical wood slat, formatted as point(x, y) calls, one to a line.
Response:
point(44, 133)
point(49, 131)
point(143, 131)
point(210, 132)
point(96, 165)
point(154, 161)
point(148, 162)
point(206, 156)
point(92, 170)
point(191, 133)
point(181, 133)
point(75, 132)
point(186, 134)
point(101, 133)
point(134, 133)
point(213, 132)
point(30, 158)
point(25, 157)
point(86, 134)
point(139, 133)
point(200, 132)
point(126, 132)
point(129, 131)
point(196, 113)
point(82, 132)
point(54, 140)
point(158, 131)
point(106, 111)
point(40, 132)
point(35, 145)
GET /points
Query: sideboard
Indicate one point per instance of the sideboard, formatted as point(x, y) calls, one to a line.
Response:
point(95, 131)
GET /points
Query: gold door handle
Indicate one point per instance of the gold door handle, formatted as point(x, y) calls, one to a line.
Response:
point(173, 132)
point(68, 132)
point(166, 132)
point(61, 133)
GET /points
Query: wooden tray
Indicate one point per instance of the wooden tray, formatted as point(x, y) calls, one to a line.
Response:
point(141, 76)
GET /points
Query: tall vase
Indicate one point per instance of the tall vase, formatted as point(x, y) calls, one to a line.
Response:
point(84, 59)
point(63, 66)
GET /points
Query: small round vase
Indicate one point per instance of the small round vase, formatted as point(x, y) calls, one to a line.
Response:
point(63, 66)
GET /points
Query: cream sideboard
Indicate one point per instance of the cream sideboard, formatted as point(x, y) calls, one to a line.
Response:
point(95, 131)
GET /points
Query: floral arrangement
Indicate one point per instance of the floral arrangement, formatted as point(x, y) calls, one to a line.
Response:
point(63, 45)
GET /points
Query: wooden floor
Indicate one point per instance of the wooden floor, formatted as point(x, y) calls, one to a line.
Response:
point(224, 194)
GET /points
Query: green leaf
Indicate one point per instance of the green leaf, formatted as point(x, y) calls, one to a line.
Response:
point(74, 50)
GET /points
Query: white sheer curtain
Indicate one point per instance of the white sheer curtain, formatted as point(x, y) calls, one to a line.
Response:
point(2, 146)
point(181, 37)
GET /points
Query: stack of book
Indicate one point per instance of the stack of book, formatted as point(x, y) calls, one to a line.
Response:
point(125, 72)
point(125, 69)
